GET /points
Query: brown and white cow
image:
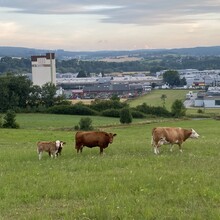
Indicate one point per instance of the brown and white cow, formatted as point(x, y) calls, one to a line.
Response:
point(52, 147)
point(171, 136)
point(92, 139)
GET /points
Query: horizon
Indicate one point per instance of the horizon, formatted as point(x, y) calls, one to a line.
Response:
point(60, 49)
point(75, 25)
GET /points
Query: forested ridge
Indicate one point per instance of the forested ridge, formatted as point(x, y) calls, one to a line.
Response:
point(150, 63)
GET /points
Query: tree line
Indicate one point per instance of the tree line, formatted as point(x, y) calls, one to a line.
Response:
point(149, 63)
point(17, 92)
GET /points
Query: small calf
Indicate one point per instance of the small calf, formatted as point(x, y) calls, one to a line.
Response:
point(52, 147)
point(60, 147)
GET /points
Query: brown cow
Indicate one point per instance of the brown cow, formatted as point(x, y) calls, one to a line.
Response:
point(170, 135)
point(52, 147)
point(91, 139)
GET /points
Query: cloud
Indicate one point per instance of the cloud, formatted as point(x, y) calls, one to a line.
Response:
point(8, 29)
point(140, 12)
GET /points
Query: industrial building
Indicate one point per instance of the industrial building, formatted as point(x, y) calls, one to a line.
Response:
point(43, 69)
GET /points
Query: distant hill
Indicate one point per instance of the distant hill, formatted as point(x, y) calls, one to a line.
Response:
point(62, 54)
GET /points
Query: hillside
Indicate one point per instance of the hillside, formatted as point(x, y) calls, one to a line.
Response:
point(62, 54)
point(154, 98)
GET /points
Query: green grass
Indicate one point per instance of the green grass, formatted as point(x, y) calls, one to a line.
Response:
point(154, 98)
point(127, 182)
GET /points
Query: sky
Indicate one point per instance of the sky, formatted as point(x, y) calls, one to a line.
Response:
point(93, 25)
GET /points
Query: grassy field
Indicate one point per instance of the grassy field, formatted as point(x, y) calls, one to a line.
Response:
point(127, 182)
point(154, 99)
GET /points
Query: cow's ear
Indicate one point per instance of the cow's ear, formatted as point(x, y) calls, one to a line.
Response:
point(114, 135)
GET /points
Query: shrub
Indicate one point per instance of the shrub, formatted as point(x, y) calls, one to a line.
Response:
point(125, 116)
point(77, 109)
point(9, 120)
point(0, 121)
point(101, 105)
point(178, 109)
point(200, 111)
point(85, 124)
point(152, 110)
point(137, 114)
point(111, 113)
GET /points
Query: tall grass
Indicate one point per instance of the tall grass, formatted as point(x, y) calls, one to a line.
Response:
point(127, 182)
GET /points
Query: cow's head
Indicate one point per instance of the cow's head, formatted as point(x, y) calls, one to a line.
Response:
point(194, 134)
point(59, 146)
point(111, 137)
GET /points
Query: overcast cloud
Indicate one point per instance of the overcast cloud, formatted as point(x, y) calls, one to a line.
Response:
point(125, 24)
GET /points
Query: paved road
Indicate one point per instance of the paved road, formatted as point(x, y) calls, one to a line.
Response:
point(190, 102)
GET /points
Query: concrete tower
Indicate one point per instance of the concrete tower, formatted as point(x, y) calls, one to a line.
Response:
point(43, 69)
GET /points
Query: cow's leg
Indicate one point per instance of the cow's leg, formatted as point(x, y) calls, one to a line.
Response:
point(40, 155)
point(171, 147)
point(101, 150)
point(55, 154)
point(158, 151)
point(79, 148)
point(153, 144)
point(156, 148)
point(180, 147)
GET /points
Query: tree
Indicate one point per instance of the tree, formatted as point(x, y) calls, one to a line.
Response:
point(178, 109)
point(171, 77)
point(48, 94)
point(4, 94)
point(0, 121)
point(163, 98)
point(14, 92)
point(34, 99)
point(125, 116)
point(9, 120)
point(81, 74)
point(183, 81)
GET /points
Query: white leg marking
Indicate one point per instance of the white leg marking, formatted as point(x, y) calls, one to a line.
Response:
point(171, 148)
point(40, 155)
point(158, 150)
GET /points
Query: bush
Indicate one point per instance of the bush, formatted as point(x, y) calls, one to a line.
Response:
point(77, 109)
point(152, 110)
point(125, 116)
point(9, 120)
point(111, 113)
point(178, 109)
point(101, 105)
point(85, 124)
point(137, 114)
point(0, 121)
point(200, 111)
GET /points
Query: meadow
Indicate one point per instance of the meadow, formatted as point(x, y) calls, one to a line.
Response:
point(154, 99)
point(127, 182)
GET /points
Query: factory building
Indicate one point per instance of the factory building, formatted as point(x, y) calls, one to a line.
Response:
point(43, 69)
